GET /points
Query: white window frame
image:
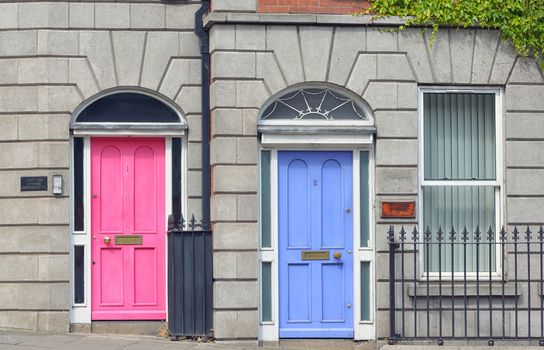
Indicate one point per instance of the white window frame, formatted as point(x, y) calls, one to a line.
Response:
point(498, 183)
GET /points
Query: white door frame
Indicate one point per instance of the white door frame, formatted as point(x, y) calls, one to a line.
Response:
point(363, 330)
point(81, 313)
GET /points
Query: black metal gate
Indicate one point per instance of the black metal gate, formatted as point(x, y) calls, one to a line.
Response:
point(190, 278)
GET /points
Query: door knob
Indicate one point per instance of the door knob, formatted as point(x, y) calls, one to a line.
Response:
point(337, 255)
point(107, 239)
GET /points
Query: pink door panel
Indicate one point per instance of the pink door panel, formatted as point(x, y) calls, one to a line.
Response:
point(127, 198)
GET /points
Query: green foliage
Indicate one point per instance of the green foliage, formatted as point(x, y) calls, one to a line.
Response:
point(521, 21)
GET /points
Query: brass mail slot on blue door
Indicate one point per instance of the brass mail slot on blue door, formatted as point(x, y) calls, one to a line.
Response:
point(128, 240)
point(315, 255)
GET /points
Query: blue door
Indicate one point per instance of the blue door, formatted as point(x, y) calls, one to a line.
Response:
point(315, 244)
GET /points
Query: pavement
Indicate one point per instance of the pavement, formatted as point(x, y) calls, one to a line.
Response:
point(22, 340)
point(26, 340)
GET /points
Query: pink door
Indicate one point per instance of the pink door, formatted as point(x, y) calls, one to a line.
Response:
point(128, 229)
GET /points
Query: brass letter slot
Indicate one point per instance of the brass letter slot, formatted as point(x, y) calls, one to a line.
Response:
point(128, 240)
point(315, 255)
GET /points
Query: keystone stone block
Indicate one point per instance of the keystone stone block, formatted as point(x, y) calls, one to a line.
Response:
point(313, 41)
point(128, 48)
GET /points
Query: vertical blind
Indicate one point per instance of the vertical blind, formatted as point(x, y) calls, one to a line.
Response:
point(459, 145)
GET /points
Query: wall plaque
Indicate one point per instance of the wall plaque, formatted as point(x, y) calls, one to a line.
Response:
point(33, 183)
point(399, 209)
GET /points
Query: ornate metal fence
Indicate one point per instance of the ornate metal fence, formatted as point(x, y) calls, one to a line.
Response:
point(466, 285)
point(190, 278)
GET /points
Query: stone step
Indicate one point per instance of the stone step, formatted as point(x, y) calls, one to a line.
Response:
point(326, 344)
point(154, 328)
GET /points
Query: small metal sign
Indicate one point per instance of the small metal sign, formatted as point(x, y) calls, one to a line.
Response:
point(315, 255)
point(128, 240)
point(33, 183)
point(405, 209)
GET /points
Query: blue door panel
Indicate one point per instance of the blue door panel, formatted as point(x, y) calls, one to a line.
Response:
point(299, 293)
point(314, 205)
point(298, 210)
point(332, 212)
point(332, 278)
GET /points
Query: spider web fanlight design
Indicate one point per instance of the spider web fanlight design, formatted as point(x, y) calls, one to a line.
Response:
point(314, 104)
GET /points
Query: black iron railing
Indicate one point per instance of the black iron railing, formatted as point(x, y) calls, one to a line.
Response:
point(190, 278)
point(466, 285)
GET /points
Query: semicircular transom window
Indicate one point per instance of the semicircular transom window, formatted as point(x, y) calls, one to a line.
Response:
point(315, 104)
point(128, 107)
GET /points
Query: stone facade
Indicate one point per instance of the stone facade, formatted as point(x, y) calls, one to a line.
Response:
point(54, 56)
point(255, 56)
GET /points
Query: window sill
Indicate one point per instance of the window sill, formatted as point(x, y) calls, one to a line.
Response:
point(459, 290)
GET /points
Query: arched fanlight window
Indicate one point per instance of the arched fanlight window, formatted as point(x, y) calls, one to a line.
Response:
point(315, 107)
point(127, 110)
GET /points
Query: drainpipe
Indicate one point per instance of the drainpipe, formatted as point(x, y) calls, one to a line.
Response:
point(204, 37)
